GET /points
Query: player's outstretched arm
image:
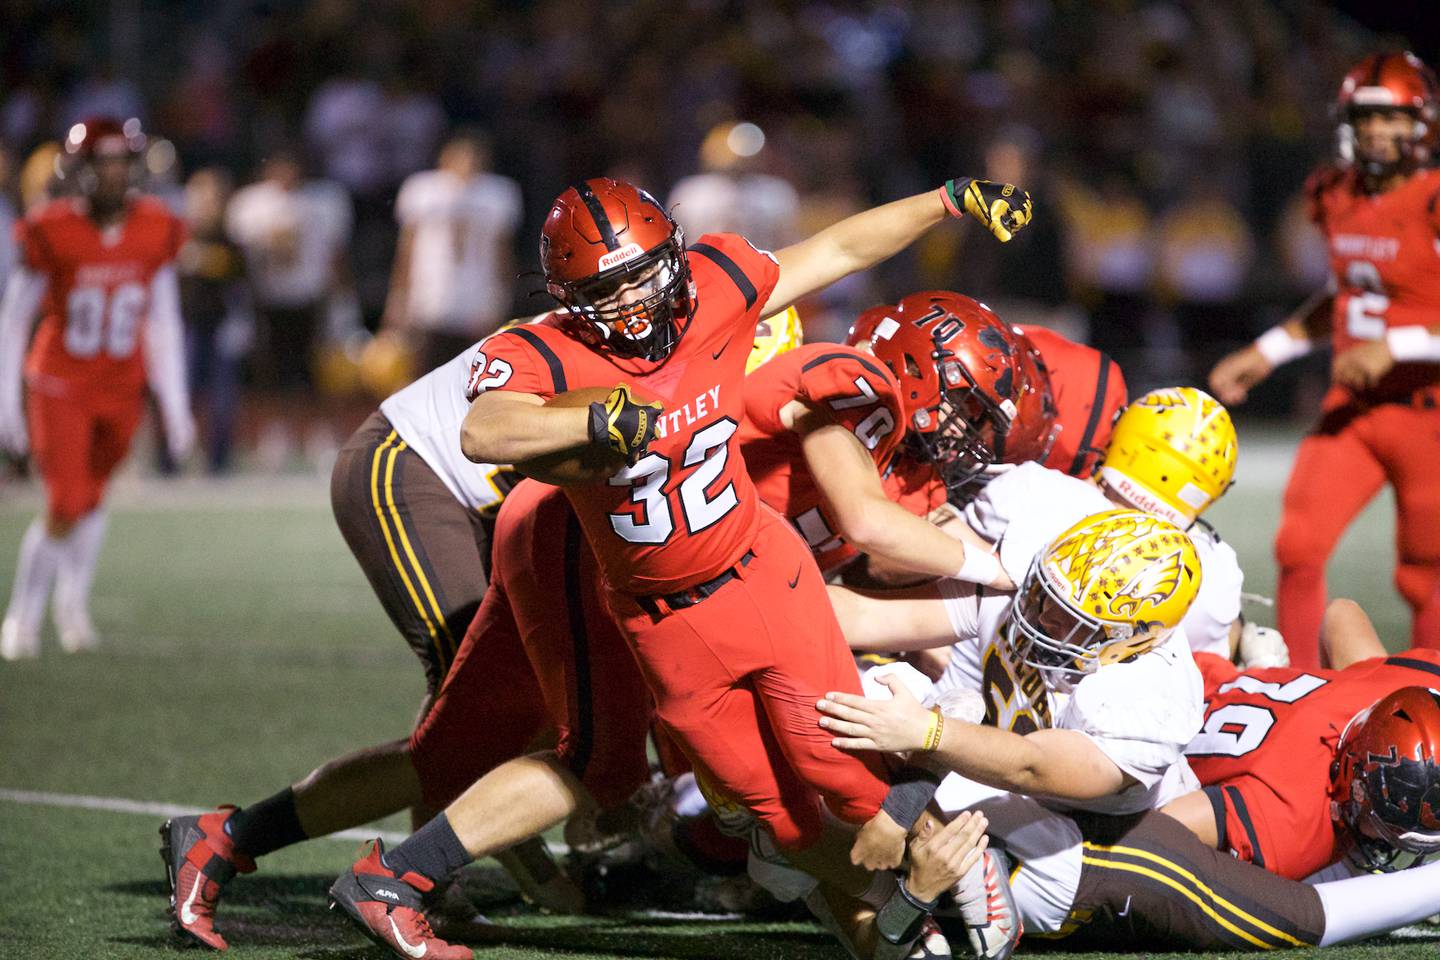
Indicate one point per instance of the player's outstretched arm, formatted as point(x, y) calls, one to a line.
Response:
point(892, 620)
point(506, 426)
point(21, 304)
point(1064, 764)
point(1238, 373)
point(873, 523)
point(877, 234)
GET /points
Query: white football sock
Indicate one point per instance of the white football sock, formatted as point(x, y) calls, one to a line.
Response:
point(1362, 907)
point(78, 556)
point(34, 574)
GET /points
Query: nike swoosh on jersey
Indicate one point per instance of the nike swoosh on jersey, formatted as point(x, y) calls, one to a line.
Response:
point(716, 354)
point(796, 580)
point(411, 950)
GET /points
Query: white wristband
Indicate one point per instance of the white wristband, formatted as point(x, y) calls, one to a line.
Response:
point(1278, 345)
point(1413, 344)
point(979, 566)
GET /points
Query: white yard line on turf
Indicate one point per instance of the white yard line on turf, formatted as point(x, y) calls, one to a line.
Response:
point(36, 798)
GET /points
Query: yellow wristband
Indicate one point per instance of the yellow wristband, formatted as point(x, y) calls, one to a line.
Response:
point(934, 732)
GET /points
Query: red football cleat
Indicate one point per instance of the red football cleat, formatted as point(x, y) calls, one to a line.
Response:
point(388, 909)
point(199, 860)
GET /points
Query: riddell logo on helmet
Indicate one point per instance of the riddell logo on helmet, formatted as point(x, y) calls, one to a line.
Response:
point(625, 254)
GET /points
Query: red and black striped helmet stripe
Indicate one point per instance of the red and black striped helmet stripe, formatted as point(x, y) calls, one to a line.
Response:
point(598, 214)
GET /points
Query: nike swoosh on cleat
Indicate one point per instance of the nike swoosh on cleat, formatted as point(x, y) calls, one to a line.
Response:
point(187, 916)
point(410, 949)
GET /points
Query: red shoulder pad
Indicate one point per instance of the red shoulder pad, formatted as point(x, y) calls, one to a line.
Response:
point(516, 359)
point(856, 390)
point(753, 271)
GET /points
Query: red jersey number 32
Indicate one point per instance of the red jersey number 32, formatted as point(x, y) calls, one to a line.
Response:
point(654, 521)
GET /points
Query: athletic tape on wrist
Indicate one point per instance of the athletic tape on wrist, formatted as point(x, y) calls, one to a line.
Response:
point(1413, 344)
point(911, 790)
point(1278, 345)
point(979, 566)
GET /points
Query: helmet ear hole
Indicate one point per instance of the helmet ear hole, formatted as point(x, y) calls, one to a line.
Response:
point(912, 367)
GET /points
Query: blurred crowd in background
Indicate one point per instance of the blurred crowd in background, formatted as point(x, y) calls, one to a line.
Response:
point(349, 168)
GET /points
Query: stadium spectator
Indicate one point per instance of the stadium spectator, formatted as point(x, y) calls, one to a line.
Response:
point(294, 233)
point(734, 194)
point(215, 303)
point(453, 273)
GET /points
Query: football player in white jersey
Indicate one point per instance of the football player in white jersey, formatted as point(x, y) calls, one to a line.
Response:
point(1172, 454)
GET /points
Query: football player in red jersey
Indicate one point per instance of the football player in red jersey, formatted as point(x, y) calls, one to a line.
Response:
point(720, 600)
point(1270, 755)
point(1380, 211)
point(822, 422)
point(99, 268)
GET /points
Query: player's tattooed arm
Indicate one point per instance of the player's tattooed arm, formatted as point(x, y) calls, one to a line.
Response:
point(507, 426)
point(1064, 764)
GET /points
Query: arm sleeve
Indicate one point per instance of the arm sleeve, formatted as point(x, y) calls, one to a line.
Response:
point(518, 360)
point(962, 606)
point(165, 347)
point(23, 293)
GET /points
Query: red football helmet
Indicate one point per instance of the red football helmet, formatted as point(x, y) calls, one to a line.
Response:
point(616, 262)
point(1385, 781)
point(99, 138)
point(960, 375)
point(1390, 81)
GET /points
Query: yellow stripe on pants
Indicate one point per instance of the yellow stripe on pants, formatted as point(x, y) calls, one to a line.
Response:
point(389, 540)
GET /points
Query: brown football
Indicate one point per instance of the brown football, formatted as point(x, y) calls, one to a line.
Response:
point(579, 466)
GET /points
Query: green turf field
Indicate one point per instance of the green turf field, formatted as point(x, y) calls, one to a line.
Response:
point(242, 646)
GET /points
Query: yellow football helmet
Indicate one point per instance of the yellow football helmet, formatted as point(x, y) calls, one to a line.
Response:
point(1109, 588)
point(1172, 453)
point(776, 334)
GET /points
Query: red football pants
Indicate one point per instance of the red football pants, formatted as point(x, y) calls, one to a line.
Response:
point(736, 677)
point(78, 442)
point(1338, 469)
point(542, 653)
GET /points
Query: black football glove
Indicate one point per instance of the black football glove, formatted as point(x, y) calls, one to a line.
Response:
point(623, 424)
point(1003, 208)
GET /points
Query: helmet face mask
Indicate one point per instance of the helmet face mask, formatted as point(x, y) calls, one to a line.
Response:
point(632, 310)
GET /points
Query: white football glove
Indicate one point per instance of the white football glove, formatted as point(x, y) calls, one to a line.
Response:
point(1262, 647)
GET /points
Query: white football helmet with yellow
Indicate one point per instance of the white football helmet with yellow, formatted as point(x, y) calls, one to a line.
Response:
point(1111, 587)
point(776, 334)
point(1172, 453)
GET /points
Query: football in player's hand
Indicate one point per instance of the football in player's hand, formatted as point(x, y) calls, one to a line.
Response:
point(579, 466)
